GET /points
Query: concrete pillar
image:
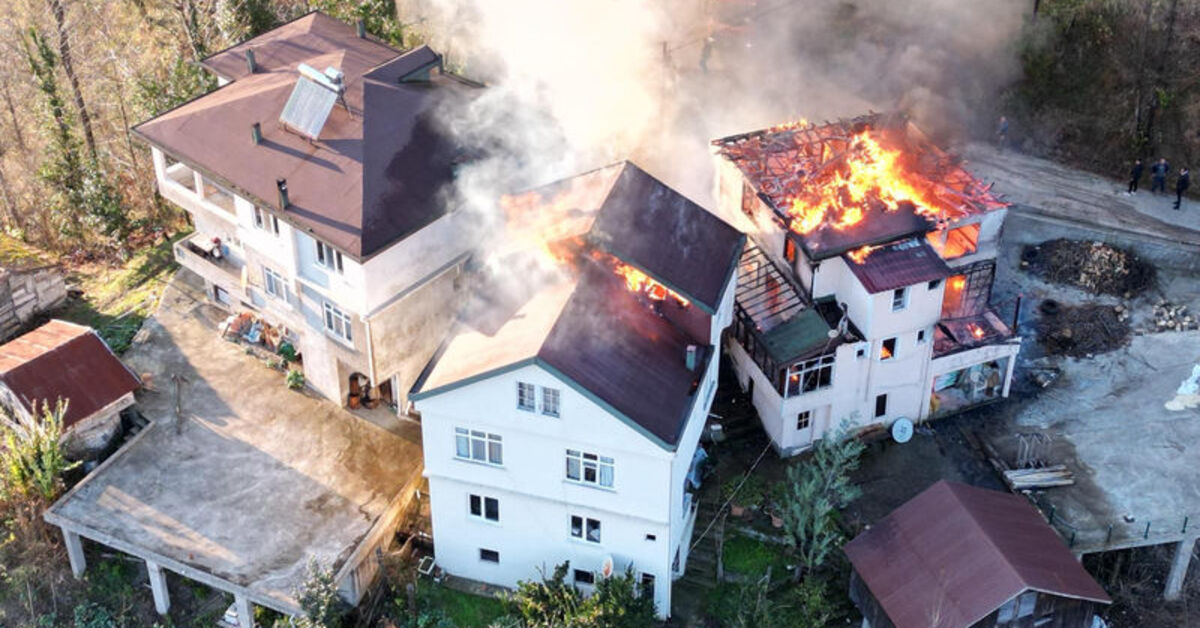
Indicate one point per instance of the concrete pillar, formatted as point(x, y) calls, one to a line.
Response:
point(245, 611)
point(158, 586)
point(1179, 568)
point(75, 553)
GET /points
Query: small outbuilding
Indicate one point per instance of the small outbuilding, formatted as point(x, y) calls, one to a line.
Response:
point(957, 556)
point(62, 360)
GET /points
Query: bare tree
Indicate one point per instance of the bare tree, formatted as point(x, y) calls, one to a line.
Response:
point(64, 53)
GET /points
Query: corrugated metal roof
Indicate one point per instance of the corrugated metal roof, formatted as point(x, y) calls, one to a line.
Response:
point(897, 265)
point(955, 553)
point(67, 361)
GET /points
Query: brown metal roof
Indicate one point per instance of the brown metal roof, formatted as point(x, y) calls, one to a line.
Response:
point(67, 361)
point(904, 263)
point(377, 170)
point(955, 553)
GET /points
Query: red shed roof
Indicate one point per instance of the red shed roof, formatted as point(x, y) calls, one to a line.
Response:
point(68, 361)
point(905, 263)
point(956, 553)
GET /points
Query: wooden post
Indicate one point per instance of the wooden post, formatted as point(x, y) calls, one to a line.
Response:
point(158, 586)
point(1179, 567)
point(245, 611)
point(75, 553)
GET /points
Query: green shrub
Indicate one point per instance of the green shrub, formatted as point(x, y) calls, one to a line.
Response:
point(294, 379)
point(32, 459)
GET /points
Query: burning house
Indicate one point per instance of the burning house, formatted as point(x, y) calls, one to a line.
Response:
point(315, 178)
point(562, 419)
point(865, 291)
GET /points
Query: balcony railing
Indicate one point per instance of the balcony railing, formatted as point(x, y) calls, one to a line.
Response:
point(217, 263)
point(184, 187)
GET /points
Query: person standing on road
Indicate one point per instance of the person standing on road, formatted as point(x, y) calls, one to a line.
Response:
point(1135, 175)
point(1158, 175)
point(1181, 185)
point(1002, 133)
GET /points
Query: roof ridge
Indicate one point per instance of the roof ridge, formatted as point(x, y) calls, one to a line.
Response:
point(955, 488)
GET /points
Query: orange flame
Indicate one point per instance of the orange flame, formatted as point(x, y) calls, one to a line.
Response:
point(867, 172)
point(861, 254)
point(638, 281)
point(976, 330)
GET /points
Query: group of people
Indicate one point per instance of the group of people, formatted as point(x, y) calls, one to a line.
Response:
point(1158, 178)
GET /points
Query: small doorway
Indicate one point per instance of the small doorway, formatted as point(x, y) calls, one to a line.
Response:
point(220, 295)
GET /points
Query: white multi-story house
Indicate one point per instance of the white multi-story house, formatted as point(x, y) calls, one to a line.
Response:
point(314, 177)
point(855, 307)
point(562, 420)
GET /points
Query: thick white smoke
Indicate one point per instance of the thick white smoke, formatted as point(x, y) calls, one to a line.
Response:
point(574, 84)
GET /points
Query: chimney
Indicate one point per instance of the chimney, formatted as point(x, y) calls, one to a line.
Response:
point(693, 353)
point(283, 194)
point(361, 28)
point(250, 62)
point(256, 133)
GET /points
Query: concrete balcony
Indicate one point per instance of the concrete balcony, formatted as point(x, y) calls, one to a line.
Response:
point(195, 193)
point(198, 254)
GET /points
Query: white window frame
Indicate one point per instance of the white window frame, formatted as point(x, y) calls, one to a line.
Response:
point(876, 412)
point(482, 501)
point(804, 420)
point(526, 397)
point(337, 322)
point(328, 257)
point(921, 336)
point(551, 408)
point(478, 446)
point(595, 463)
point(575, 578)
point(274, 284)
point(800, 371)
point(486, 560)
point(899, 299)
point(583, 532)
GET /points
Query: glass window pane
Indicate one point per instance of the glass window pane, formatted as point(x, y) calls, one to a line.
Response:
point(475, 509)
point(477, 450)
point(492, 508)
point(593, 530)
point(606, 476)
point(462, 446)
point(495, 453)
point(573, 469)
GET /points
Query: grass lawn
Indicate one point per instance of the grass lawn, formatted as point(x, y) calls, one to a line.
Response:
point(117, 298)
point(465, 609)
point(750, 557)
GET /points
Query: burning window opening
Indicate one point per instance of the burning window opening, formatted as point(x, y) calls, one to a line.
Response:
point(836, 177)
point(639, 282)
point(959, 241)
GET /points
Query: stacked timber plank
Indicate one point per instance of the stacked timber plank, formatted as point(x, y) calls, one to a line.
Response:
point(1044, 477)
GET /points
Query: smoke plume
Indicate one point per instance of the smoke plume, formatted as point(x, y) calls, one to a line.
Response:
point(576, 84)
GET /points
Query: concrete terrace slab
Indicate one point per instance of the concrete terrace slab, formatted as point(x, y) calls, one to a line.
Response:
point(254, 481)
point(1131, 455)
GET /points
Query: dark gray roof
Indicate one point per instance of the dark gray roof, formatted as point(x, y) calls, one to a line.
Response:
point(377, 172)
point(651, 226)
point(616, 346)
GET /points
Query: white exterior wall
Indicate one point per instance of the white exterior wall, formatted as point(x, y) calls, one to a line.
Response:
point(536, 499)
point(358, 290)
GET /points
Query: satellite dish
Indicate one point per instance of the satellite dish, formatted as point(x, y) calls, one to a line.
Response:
point(902, 430)
point(606, 567)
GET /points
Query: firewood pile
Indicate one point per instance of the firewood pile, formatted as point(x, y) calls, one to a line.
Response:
point(1083, 330)
point(1171, 317)
point(1092, 266)
point(1044, 477)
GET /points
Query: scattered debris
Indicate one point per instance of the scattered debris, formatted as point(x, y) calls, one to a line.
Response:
point(1084, 330)
point(1045, 477)
point(1096, 267)
point(1188, 393)
point(1171, 317)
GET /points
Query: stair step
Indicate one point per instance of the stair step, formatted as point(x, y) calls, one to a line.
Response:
point(707, 581)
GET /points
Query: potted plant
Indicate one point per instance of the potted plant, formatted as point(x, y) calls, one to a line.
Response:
point(294, 379)
point(727, 489)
